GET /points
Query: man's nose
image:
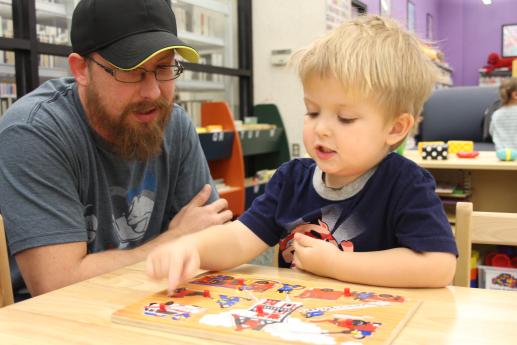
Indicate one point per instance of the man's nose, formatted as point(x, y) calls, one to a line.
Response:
point(150, 87)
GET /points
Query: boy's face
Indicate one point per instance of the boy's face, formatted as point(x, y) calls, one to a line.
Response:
point(346, 137)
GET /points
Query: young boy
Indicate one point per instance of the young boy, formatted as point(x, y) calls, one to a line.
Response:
point(356, 211)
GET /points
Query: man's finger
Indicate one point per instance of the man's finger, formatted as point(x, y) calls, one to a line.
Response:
point(202, 197)
point(225, 216)
point(217, 206)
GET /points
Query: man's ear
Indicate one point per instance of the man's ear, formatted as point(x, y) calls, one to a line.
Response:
point(79, 68)
point(400, 128)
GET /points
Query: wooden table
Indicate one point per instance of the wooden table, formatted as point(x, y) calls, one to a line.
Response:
point(493, 183)
point(80, 313)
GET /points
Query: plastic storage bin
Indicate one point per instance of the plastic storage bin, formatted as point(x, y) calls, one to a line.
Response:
point(497, 278)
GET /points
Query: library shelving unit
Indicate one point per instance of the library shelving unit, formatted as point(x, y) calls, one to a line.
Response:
point(263, 149)
point(224, 153)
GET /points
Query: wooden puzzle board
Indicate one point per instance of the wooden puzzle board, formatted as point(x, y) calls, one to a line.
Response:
point(240, 308)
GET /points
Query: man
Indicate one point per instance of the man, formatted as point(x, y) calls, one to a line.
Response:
point(104, 161)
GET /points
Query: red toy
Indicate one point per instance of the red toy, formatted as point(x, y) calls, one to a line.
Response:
point(495, 61)
point(463, 154)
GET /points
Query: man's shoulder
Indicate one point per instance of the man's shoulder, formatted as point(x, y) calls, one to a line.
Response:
point(40, 104)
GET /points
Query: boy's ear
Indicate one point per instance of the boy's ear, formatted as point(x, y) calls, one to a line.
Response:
point(79, 68)
point(400, 128)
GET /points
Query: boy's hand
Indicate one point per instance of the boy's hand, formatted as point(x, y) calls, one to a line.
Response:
point(178, 261)
point(313, 255)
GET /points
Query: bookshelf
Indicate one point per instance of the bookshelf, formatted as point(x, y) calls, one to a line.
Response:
point(209, 27)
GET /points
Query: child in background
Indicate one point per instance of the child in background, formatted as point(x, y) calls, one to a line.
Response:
point(356, 211)
point(503, 127)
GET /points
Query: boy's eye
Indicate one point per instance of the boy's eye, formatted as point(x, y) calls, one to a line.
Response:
point(312, 113)
point(346, 120)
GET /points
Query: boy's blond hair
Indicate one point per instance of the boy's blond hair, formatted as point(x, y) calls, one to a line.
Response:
point(376, 60)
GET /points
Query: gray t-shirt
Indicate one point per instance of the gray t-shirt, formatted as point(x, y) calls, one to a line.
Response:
point(503, 127)
point(61, 183)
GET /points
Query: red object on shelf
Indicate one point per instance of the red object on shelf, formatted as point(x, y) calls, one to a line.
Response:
point(463, 154)
point(501, 260)
point(498, 260)
point(514, 262)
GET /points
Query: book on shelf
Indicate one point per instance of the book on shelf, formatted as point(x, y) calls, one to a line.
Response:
point(451, 190)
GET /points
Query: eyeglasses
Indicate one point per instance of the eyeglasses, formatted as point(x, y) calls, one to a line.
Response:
point(136, 75)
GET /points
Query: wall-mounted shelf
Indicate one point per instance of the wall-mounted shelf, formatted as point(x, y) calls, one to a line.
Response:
point(201, 41)
point(260, 141)
point(217, 145)
point(211, 5)
point(264, 149)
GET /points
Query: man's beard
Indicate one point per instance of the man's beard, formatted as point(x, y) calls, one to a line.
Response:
point(130, 140)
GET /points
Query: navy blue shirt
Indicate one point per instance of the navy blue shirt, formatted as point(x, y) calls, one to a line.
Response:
point(393, 205)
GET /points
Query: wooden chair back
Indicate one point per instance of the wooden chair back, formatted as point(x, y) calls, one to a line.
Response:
point(6, 289)
point(480, 227)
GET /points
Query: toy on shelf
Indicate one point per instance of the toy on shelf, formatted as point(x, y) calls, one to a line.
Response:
point(503, 256)
point(435, 152)
point(496, 61)
point(456, 146)
point(421, 144)
point(506, 154)
point(463, 154)
point(500, 270)
point(474, 258)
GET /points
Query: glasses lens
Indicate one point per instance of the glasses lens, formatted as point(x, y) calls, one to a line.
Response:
point(165, 73)
point(133, 76)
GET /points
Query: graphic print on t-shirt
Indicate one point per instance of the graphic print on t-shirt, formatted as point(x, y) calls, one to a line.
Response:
point(322, 225)
point(132, 209)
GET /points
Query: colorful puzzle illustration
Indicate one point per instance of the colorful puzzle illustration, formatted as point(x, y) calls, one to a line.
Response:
point(241, 308)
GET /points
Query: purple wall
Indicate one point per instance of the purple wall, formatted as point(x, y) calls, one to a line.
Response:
point(466, 30)
point(399, 12)
point(482, 34)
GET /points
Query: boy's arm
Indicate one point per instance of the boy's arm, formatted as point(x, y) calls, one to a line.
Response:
point(217, 248)
point(397, 267)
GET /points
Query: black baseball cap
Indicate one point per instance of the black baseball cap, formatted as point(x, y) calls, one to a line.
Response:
point(127, 33)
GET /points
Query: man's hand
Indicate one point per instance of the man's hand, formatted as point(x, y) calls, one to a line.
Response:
point(313, 255)
point(196, 216)
point(178, 261)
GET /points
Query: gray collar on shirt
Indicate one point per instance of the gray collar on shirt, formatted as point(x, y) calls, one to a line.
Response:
point(342, 193)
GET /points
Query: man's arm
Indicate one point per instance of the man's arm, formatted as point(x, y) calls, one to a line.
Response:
point(51, 267)
point(217, 248)
point(397, 267)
